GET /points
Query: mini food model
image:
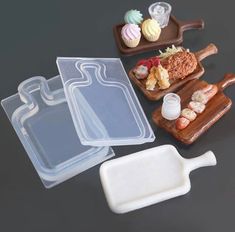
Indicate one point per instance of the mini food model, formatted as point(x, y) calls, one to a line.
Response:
point(202, 105)
point(157, 30)
point(131, 32)
point(151, 28)
point(170, 70)
point(131, 35)
point(133, 17)
point(175, 63)
point(196, 106)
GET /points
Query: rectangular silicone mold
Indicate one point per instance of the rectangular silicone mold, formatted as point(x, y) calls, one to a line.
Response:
point(103, 104)
point(41, 118)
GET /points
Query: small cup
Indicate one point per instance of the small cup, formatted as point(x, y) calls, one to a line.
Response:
point(171, 107)
point(160, 11)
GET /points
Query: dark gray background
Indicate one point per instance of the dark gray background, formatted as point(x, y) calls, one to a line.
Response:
point(32, 35)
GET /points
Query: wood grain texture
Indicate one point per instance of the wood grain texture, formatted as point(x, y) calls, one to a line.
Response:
point(172, 34)
point(215, 109)
point(157, 93)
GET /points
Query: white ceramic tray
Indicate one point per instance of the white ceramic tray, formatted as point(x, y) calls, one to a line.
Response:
point(148, 177)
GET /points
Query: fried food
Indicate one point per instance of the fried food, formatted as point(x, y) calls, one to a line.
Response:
point(151, 80)
point(158, 75)
point(180, 65)
point(162, 77)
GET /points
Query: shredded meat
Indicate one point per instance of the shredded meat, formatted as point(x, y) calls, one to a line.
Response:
point(180, 65)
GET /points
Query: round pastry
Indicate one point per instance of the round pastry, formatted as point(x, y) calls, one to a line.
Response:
point(131, 35)
point(133, 17)
point(189, 114)
point(151, 30)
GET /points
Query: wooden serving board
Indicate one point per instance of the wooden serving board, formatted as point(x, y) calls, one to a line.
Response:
point(215, 109)
point(171, 34)
point(157, 93)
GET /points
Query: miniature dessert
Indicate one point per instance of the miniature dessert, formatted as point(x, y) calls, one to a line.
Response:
point(133, 17)
point(131, 35)
point(189, 114)
point(180, 65)
point(197, 107)
point(171, 106)
point(160, 11)
point(151, 30)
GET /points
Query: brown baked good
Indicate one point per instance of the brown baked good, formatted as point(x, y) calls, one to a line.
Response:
point(180, 65)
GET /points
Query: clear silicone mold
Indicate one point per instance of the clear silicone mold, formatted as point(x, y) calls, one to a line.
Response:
point(100, 88)
point(41, 118)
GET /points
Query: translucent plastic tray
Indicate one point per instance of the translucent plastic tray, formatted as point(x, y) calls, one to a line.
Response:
point(40, 115)
point(103, 104)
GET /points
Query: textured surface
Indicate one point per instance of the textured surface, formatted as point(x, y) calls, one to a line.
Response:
point(33, 34)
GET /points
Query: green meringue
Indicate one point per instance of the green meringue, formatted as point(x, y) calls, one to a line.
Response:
point(133, 17)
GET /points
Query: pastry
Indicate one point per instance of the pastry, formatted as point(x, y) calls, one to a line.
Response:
point(205, 94)
point(151, 30)
point(197, 107)
point(131, 35)
point(133, 17)
point(181, 123)
point(189, 114)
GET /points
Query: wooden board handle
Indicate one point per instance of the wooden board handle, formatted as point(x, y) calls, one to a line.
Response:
point(194, 24)
point(207, 51)
point(228, 80)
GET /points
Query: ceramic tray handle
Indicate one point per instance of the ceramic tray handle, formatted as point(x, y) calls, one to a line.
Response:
point(228, 80)
point(207, 159)
point(194, 24)
point(207, 51)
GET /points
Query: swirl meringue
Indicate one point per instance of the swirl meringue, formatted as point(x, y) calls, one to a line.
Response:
point(151, 30)
point(133, 17)
point(131, 35)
